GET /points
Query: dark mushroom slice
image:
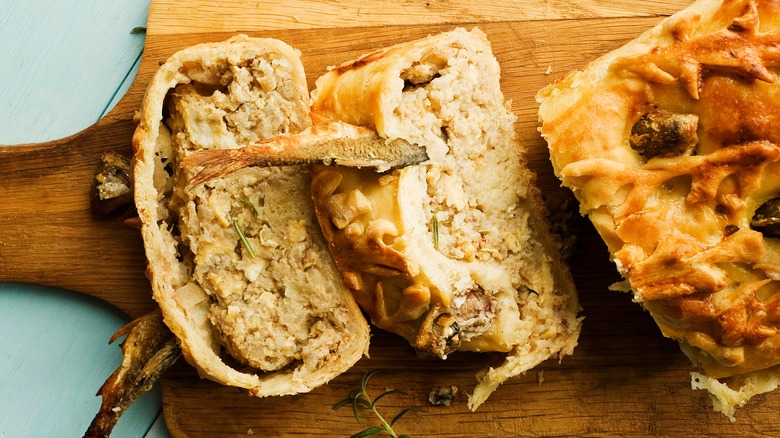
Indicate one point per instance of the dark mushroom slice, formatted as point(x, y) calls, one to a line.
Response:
point(445, 328)
point(767, 218)
point(443, 396)
point(111, 195)
point(664, 134)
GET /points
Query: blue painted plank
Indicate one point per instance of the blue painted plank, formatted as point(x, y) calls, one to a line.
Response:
point(124, 86)
point(53, 359)
point(158, 429)
point(63, 62)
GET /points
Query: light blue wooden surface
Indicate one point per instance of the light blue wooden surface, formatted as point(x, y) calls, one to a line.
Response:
point(64, 65)
point(53, 358)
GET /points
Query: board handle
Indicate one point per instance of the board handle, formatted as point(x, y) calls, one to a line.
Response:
point(48, 234)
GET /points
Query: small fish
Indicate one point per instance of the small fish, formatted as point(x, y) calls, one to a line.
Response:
point(149, 349)
point(332, 143)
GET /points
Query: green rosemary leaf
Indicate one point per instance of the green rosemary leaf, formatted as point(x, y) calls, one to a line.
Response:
point(342, 403)
point(388, 392)
point(368, 432)
point(244, 241)
point(361, 397)
point(359, 400)
point(249, 204)
point(363, 401)
point(399, 415)
point(367, 376)
point(404, 412)
point(435, 232)
point(355, 410)
point(139, 29)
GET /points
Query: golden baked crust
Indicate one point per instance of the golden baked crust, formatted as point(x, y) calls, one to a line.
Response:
point(671, 145)
point(239, 266)
point(454, 254)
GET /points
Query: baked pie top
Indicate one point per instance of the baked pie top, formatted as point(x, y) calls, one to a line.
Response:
point(670, 143)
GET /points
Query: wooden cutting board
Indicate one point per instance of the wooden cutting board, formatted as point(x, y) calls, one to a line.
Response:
point(624, 378)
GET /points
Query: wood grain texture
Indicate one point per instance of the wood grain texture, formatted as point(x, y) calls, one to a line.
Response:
point(48, 230)
point(203, 16)
point(624, 379)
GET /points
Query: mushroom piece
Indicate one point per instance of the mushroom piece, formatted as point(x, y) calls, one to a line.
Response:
point(662, 133)
point(445, 328)
point(111, 195)
point(767, 218)
point(345, 207)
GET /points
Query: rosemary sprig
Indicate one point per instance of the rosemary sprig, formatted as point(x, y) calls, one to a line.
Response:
point(244, 241)
point(249, 204)
point(435, 232)
point(360, 397)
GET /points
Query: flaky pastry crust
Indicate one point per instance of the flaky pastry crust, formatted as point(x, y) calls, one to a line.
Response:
point(454, 254)
point(671, 145)
point(238, 265)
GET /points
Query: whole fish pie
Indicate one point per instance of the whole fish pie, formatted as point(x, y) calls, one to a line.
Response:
point(671, 145)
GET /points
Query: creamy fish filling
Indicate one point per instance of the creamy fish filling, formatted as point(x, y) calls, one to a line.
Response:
point(470, 157)
point(238, 234)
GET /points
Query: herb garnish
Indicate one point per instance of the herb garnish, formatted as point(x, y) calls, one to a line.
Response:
point(138, 29)
point(361, 397)
point(435, 232)
point(249, 204)
point(243, 239)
